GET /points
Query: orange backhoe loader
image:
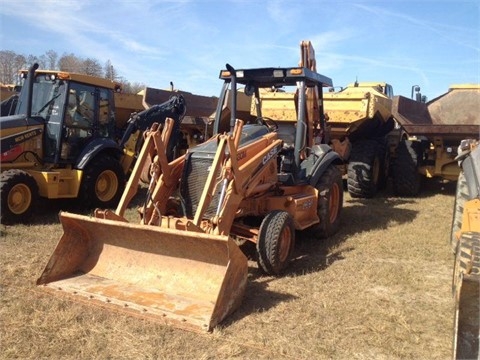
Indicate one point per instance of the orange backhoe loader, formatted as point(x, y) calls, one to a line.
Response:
point(258, 179)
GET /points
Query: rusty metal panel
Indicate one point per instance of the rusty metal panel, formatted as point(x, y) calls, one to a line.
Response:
point(455, 113)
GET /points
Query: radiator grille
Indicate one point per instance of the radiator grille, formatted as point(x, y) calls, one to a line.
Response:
point(196, 171)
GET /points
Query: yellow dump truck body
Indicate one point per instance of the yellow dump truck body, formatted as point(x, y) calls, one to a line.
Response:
point(348, 109)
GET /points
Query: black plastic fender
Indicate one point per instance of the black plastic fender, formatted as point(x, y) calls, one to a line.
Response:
point(323, 156)
point(94, 148)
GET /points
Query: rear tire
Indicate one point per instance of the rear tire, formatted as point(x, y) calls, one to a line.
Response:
point(276, 242)
point(330, 203)
point(19, 196)
point(364, 168)
point(406, 178)
point(103, 183)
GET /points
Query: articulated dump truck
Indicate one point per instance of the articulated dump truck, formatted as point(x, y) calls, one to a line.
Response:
point(359, 118)
point(429, 136)
point(465, 241)
point(256, 180)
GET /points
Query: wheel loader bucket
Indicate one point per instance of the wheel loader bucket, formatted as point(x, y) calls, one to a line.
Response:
point(183, 278)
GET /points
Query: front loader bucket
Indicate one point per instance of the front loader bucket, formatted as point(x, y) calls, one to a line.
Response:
point(187, 279)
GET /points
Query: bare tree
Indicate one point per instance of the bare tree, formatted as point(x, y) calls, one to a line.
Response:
point(32, 59)
point(51, 59)
point(70, 63)
point(92, 67)
point(10, 64)
point(110, 72)
point(135, 87)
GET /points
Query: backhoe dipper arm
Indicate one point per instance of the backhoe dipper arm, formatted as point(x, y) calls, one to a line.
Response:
point(174, 108)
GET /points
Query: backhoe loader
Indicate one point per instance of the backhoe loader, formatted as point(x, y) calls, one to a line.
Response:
point(73, 136)
point(258, 180)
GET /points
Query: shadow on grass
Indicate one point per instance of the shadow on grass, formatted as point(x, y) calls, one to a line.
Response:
point(433, 186)
point(257, 298)
point(48, 209)
point(358, 216)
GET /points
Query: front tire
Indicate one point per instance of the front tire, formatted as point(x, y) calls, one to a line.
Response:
point(19, 196)
point(276, 242)
point(103, 183)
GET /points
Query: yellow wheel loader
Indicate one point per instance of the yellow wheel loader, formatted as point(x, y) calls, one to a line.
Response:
point(258, 180)
point(466, 241)
point(72, 136)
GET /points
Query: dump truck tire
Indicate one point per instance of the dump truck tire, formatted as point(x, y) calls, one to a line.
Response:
point(19, 196)
point(276, 242)
point(329, 205)
point(364, 169)
point(384, 156)
point(466, 280)
point(461, 196)
point(406, 178)
point(103, 183)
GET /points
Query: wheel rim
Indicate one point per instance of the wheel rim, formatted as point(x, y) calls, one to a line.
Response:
point(333, 203)
point(285, 240)
point(106, 186)
point(19, 199)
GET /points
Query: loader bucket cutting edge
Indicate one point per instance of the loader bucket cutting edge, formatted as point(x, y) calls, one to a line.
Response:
point(189, 280)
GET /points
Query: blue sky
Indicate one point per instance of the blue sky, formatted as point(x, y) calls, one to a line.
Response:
point(433, 44)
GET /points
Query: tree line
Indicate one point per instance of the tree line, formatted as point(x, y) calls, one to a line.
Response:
point(11, 63)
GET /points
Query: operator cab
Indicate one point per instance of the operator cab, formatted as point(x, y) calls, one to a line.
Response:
point(74, 112)
point(266, 101)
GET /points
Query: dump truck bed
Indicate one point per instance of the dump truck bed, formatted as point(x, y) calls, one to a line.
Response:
point(453, 115)
point(354, 108)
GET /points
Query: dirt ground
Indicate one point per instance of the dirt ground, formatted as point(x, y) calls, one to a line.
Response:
point(379, 289)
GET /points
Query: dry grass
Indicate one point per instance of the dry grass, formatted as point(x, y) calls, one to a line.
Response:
point(379, 289)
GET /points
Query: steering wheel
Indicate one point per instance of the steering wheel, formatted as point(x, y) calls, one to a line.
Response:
point(268, 122)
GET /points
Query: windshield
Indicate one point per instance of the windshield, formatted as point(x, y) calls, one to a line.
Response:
point(48, 97)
